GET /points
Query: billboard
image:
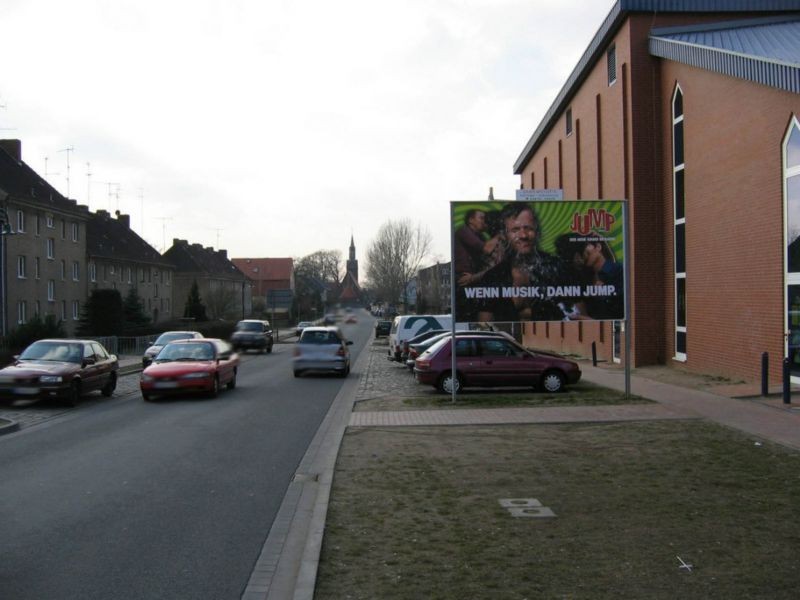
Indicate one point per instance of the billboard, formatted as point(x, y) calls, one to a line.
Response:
point(538, 261)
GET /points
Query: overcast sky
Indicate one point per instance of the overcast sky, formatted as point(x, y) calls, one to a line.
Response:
point(276, 128)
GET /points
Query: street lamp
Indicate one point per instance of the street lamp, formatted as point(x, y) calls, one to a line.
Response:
point(5, 230)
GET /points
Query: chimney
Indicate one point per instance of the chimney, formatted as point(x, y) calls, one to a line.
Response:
point(224, 254)
point(13, 148)
point(124, 219)
point(102, 213)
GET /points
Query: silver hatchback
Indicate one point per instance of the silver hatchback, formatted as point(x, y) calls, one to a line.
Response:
point(322, 349)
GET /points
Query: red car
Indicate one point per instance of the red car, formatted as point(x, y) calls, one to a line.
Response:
point(483, 361)
point(191, 366)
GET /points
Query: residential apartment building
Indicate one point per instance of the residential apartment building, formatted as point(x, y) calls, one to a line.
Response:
point(689, 111)
point(44, 248)
point(433, 289)
point(117, 258)
point(224, 289)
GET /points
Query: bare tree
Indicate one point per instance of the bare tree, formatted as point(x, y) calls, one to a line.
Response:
point(312, 274)
point(394, 256)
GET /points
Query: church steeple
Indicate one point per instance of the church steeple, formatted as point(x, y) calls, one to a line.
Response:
point(352, 263)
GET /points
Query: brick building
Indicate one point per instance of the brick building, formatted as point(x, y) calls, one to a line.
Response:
point(690, 112)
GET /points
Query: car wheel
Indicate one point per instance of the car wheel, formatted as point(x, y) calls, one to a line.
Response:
point(214, 387)
point(298, 373)
point(553, 381)
point(232, 383)
point(446, 382)
point(74, 395)
point(109, 387)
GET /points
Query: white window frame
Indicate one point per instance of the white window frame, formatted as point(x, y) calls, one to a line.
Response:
point(22, 312)
point(92, 272)
point(50, 248)
point(20, 221)
point(50, 221)
point(51, 290)
point(76, 270)
point(76, 313)
point(75, 232)
point(37, 268)
point(22, 267)
point(790, 279)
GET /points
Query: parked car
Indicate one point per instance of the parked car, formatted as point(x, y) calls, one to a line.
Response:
point(60, 368)
point(300, 326)
point(382, 327)
point(405, 327)
point(322, 349)
point(191, 366)
point(417, 348)
point(252, 334)
point(486, 361)
point(163, 340)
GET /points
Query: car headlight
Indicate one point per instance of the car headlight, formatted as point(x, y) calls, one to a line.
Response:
point(51, 379)
point(201, 375)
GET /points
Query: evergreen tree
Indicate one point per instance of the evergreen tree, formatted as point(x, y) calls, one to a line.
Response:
point(194, 305)
point(102, 314)
point(133, 310)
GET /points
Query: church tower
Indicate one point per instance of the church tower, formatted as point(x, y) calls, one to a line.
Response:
point(352, 263)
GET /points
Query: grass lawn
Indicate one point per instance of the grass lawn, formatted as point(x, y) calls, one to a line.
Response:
point(415, 513)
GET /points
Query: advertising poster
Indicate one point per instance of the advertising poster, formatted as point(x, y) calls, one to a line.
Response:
point(517, 261)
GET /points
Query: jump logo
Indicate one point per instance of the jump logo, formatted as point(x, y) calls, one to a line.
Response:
point(594, 219)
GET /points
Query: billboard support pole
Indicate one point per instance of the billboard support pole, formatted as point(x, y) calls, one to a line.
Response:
point(626, 237)
point(452, 308)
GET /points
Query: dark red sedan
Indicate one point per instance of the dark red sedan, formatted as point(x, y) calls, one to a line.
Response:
point(492, 362)
point(59, 368)
point(200, 366)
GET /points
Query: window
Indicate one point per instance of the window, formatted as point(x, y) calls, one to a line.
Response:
point(37, 308)
point(76, 312)
point(63, 270)
point(568, 119)
point(37, 272)
point(20, 221)
point(37, 224)
point(51, 290)
point(22, 312)
point(63, 310)
point(50, 221)
point(75, 232)
point(611, 62)
point(51, 248)
point(76, 270)
point(22, 270)
point(679, 223)
point(128, 273)
point(791, 203)
point(155, 291)
point(63, 229)
point(92, 272)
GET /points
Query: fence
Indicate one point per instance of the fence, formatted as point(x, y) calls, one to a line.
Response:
point(122, 345)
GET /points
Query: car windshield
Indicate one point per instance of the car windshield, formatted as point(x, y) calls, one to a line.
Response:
point(171, 336)
point(185, 352)
point(319, 337)
point(53, 351)
point(248, 326)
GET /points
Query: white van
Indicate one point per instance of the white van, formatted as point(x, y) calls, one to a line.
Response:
point(405, 327)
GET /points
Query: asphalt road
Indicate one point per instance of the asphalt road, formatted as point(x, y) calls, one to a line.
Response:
point(121, 498)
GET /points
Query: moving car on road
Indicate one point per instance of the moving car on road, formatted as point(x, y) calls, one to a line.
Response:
point(163, 340)
point(252, 333)
point(484, 361)
point(200, 366)
point(57, 368)
point(300, 326)
point(322, 349)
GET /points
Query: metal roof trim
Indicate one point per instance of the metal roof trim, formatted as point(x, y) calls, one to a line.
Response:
point(772, 73)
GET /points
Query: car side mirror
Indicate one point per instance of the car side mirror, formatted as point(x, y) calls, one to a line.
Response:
point(88, 361)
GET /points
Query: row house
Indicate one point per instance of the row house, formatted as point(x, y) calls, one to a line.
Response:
point(44, 248)
point(224, 289)
point(689, 111)
point(119, 259)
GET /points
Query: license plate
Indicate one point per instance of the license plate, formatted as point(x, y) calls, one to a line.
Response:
point(162, 385)
point(24, 391)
